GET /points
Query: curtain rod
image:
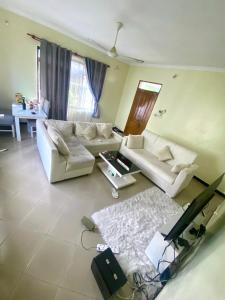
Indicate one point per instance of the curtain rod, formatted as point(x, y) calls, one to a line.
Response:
point(36, 38)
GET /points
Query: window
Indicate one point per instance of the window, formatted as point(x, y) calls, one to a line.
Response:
point(38, 74)
point(80, 100)
point(149, 86)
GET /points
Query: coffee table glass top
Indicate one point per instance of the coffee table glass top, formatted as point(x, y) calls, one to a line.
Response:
point(119, 162)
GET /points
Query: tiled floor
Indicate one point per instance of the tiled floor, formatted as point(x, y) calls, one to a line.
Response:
point(40, 252)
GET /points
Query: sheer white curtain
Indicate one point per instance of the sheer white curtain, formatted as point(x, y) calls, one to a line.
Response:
point(81, 100)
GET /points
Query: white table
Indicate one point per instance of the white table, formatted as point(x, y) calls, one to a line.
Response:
point(19, 113)
point(116, 173)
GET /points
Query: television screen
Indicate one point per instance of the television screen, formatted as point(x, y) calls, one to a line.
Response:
point(193, 210)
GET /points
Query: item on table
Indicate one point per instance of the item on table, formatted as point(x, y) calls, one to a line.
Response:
point(18, 97)
point(23, 103)
point(35, 106)
point(31, 105)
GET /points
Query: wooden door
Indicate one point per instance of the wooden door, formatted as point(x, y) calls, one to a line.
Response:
point(140, 112)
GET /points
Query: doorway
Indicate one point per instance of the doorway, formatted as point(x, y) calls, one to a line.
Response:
point(143, 103)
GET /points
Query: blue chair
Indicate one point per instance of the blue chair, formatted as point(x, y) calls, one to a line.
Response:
point(7, 122)
point(31, 124)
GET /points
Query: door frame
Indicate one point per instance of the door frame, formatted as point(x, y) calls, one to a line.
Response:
point(141, 80)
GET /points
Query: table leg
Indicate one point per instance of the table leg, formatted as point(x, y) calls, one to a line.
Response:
point(13, 130)
point(18, 135)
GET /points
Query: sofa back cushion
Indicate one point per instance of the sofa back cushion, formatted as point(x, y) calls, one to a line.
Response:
point(135, 141)
point(149, 139)
point(66, 128)
point(180, 154)
point(104, 130)
point(86, 129)
point(58, 141)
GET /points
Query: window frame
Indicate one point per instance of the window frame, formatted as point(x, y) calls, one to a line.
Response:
point(38, 75)
point(81, 109)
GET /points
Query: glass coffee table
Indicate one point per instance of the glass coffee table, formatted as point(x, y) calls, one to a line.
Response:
point(117, 168)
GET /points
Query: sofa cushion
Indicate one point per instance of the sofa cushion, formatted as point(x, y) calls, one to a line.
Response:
point(66, 128)
point(58, 141)
point(86, 129)
point(180, 154)
point(79, 158)
point(149, 139)
point(100, 144)
point(104, 130)
point(149, 163)
point(164, 154)
point(177, 168)
point(135, 141)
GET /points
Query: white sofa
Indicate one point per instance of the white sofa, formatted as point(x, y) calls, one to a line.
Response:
point(81, 160)
point(158, 171)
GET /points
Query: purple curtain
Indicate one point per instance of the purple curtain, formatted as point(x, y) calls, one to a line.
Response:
point(55, 63)
point(96, 72)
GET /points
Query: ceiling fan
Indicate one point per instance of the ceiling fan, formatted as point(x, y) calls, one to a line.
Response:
point(113, 51)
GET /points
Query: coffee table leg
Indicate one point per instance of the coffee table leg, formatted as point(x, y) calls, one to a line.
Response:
point(115, 193)
point(117, 181)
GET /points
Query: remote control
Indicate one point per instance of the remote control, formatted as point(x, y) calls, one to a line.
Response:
point(123, 164)
point(103, 247)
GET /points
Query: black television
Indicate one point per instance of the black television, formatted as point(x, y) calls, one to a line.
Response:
point(193, 210)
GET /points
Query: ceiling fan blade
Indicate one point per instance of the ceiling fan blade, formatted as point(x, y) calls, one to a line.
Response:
point(137, 60)
point(119, 26)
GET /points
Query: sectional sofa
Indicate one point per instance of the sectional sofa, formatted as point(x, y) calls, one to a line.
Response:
point(82, 146)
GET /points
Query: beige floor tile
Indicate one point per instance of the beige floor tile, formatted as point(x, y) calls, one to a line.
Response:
point(79, 277)
point(17, 250)
point(32, 289)
point(43, 217)
point(51, 261)
point(15, 208)
point(63, 294)
point(6, 228)
point(8, 280)
point(69, 228)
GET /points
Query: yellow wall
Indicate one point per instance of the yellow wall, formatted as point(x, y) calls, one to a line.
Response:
point(195, 104)
point(18, 62)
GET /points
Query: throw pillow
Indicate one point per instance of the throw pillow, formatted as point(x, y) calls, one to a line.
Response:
point(104, 129)
point(177, 168)
point(135, 141)
point(64, 127)
point(86, 129)
point(164, 154)
point(90, 132)
point(58, 141)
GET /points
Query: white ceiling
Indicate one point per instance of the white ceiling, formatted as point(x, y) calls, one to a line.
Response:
point(161, 32)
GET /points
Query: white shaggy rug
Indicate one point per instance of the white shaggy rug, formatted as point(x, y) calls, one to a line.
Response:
point(131, 225)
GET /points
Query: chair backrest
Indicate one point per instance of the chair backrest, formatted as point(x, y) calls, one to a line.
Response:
point(46, 106)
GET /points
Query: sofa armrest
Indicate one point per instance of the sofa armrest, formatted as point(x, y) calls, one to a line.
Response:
point(48, 152)
point(184, 177)
point(187, 171)
point(124, 141)
point(117, 136)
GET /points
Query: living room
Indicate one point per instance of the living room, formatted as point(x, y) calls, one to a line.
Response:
point(40, 247)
